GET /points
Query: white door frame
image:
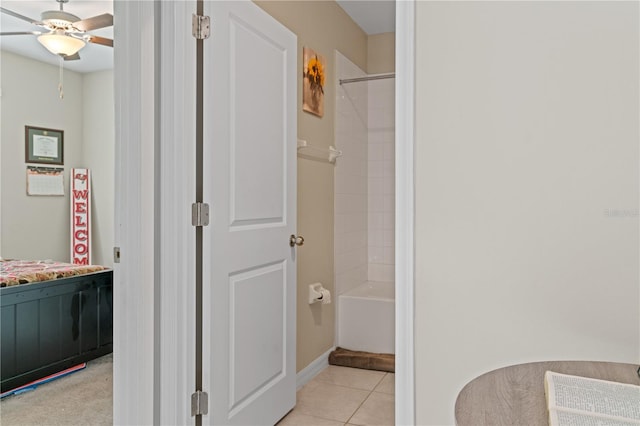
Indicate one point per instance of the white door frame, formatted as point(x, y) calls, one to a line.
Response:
point(152, 329)
point(405, 253)
point(135, 233)
point(154, 284)
point(175, 321)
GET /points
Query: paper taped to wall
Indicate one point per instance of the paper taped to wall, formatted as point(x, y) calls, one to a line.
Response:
point(45, 180)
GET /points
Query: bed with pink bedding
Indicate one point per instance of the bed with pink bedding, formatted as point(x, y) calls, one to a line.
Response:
point(53, 316)
point(15, 272)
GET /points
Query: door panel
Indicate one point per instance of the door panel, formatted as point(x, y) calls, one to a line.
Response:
point(258, 120)
point(256, 294)
point(249, 287)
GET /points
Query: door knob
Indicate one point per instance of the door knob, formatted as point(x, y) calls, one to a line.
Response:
point(296, 241)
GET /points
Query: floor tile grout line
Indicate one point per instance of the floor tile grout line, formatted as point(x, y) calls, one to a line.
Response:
point(379, 381)
point(369, 393)
point(384, 374)
point(345, 387)
point(387, 393)
point(310, 415)
point(359, 406)
point(350, 387)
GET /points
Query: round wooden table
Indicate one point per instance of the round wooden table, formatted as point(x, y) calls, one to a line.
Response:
point(515, 395)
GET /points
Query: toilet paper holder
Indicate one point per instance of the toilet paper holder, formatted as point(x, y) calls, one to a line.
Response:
point(317, 293)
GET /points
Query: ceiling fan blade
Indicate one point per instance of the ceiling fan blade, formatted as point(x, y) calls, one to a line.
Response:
point(90, 24)
point(17, 15)
point(21, 33)
point(101, 40)
point(73, 57)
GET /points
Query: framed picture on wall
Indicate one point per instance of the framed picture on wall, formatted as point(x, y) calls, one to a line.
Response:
point(44, 146)
point(313, 83)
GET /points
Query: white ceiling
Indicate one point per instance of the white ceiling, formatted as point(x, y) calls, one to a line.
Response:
point(373, 16)
point(93, 57)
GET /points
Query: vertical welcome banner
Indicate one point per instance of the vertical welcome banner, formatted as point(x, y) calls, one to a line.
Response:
point(80, 217)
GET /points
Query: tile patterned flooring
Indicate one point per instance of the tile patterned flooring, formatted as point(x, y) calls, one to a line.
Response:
point(345, 396)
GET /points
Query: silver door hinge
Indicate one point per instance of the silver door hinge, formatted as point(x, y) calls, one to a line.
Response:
point(200, 26)
point(200, 214)
point(199, 403)
point(116, 255)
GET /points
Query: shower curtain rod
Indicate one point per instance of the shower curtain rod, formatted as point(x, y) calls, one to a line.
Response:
point(367, 78)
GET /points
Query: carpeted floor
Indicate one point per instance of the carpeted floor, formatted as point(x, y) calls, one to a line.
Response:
point(82, 398)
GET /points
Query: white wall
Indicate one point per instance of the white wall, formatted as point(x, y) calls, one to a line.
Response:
point(381, 185)
point(527, 186)
point(98, 155)
point(350, 178)
point(35, 227)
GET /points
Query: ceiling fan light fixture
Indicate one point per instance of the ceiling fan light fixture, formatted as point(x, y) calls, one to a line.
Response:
point(59, 18)
point(60, 44)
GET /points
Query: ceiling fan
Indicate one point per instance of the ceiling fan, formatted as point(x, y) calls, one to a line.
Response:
point(65, 34)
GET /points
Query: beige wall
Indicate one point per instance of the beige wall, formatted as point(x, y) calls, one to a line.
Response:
point(35, 227)
point(324, 27)
point(98, 155)
point(527, 189)
point(381, 53)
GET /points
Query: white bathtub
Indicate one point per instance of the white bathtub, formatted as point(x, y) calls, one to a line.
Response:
point(367, 318)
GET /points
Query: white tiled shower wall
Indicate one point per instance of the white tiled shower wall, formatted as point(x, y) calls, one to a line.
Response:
point(364, 179)
point(350, 180)
point(381, 182)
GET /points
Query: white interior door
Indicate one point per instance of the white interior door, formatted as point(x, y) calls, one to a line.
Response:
point(249, 272)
